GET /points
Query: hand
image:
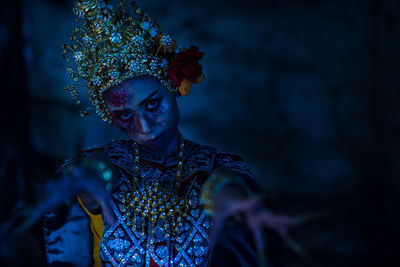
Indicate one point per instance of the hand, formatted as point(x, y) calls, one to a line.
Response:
point(96, 177)
point(233, 203)
point(78, 178)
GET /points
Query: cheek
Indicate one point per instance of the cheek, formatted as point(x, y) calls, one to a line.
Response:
point(164, 113)
point(127, 126)
point(165, 120)
point(158, 115)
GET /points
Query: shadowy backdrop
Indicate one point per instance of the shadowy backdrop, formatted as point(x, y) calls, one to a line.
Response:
point(306, 91)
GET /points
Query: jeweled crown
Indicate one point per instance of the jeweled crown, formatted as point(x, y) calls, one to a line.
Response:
point(111, 47)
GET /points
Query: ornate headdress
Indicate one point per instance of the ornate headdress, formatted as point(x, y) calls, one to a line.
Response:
point(112, 47)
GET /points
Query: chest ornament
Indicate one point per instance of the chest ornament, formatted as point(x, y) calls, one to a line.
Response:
point(154, 202)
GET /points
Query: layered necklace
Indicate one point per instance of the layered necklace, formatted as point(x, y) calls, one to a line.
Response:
point(154, 202)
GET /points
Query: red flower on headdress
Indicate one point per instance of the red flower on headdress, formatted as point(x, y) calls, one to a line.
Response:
point(186, 66)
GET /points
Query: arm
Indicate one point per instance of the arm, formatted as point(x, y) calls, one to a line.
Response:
point(73, 230)
point(245, 230)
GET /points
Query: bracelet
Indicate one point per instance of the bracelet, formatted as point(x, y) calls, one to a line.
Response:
point(100, 168)
point(218, 180)
point(97, 166)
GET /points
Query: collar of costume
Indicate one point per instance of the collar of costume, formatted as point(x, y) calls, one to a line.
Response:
point(111, 46)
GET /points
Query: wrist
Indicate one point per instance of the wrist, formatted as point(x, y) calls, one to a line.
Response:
point(222, 190)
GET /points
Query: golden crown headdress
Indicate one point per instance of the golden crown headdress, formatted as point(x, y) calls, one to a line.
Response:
point(112, 47)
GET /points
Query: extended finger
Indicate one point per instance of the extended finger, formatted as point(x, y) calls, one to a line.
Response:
point(310, 216)
point(255, 225)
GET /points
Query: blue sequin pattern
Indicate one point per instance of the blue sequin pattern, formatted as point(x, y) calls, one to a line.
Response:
point(121, 246)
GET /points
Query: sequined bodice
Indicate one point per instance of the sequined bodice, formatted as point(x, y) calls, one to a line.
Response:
point(120, 246)
point(155, 244)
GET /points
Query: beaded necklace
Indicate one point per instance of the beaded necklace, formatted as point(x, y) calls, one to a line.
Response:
point(154, 202)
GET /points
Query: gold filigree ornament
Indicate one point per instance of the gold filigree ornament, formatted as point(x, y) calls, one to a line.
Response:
point(155, 202)
point(111, 47)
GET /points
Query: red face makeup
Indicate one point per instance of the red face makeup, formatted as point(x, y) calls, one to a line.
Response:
point(119, 97)
point(145, 111)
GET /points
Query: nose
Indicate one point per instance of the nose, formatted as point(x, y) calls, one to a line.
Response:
point(144, 123)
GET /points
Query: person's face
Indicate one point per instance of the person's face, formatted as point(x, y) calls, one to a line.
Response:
point(145, 111)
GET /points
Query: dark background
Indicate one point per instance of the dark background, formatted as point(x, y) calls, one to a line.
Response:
point(306, 91)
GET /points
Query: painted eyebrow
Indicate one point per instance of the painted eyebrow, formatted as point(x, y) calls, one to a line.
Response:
point(147, 98)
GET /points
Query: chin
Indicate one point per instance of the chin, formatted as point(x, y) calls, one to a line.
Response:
point(157, 143)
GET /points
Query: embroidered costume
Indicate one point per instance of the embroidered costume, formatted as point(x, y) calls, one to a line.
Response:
point(120, 245)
